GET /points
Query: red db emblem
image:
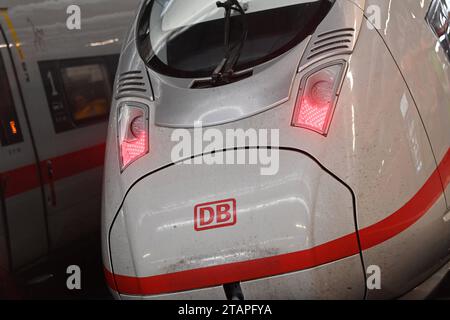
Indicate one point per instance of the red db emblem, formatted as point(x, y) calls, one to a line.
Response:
point(213, 215)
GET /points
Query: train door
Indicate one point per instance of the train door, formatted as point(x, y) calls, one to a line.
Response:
point(72, 140)
point(67, 78)
point(23, 227)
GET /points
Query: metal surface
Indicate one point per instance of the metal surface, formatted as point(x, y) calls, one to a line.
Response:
point(426, 67)
point(303, 205)
point(377, 145)
point(178, 106)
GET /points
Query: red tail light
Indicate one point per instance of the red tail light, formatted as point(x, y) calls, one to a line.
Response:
point(317, 98)
point(133, 133)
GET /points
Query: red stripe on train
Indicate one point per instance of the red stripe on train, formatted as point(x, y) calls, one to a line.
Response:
point(26, 178)
point(331, 251)
point(236, 272)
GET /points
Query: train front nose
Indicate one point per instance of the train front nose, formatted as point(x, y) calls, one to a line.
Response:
point(187, 230)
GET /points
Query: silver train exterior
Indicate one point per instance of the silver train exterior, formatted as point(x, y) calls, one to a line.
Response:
point(364, 171)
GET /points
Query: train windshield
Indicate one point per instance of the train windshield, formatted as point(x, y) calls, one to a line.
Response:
point(186, 39)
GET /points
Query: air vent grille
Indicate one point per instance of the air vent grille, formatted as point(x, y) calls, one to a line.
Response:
point(331, 43)
point(131, 84)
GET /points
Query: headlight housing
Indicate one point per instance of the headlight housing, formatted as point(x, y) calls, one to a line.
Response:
point(317, 98)
point(133, 133)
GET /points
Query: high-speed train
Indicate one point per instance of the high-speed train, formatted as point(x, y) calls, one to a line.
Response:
point(350, 99)
point(55, 87)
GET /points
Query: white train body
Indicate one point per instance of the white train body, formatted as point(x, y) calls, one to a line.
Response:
point(362, 183)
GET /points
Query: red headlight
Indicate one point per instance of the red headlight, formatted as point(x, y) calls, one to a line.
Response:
point(317, 98)
point(133, 133)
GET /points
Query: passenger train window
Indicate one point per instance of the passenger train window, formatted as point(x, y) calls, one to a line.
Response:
point(10, 131)
point(79, 90)
point(88, 91)
point(184, 39)
point(438, 18)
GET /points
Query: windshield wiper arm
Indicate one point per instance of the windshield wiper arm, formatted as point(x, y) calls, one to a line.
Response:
point(225, 70)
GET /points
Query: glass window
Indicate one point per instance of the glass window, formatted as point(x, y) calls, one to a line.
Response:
point(10, 131)
point(439, 19)
point(88, 92)
point(186, 38)
point(79, 90)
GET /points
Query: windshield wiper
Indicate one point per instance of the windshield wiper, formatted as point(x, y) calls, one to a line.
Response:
point(224, 72)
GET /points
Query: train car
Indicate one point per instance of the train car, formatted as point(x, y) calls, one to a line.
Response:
point(356, 96)
point(57, 67)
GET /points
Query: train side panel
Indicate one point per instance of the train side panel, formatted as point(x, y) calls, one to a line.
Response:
point(66, 77)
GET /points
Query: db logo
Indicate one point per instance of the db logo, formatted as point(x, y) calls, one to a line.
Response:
point(217, 214)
